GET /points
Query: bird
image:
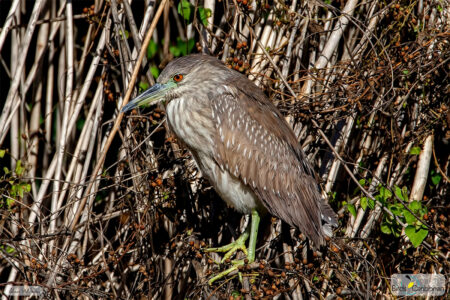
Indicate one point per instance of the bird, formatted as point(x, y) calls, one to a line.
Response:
point(243, 146)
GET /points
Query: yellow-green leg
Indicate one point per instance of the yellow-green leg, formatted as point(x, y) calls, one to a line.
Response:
point(239, 244)
point(233, 247)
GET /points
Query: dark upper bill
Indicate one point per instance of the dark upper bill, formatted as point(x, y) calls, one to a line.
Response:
point(153, 95)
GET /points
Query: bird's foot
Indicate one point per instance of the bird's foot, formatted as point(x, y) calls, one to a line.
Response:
point(231, 248)
point(222, 274)
point(236, 265)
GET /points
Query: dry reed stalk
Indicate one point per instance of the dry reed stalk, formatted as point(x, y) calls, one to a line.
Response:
point(126, 215)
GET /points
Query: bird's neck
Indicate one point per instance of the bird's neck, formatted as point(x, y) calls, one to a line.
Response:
point(190, 119)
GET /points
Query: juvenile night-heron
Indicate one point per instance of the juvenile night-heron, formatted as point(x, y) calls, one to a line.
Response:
point(243, 146)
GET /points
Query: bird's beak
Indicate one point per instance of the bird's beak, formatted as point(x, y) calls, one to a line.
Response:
point(153, 95)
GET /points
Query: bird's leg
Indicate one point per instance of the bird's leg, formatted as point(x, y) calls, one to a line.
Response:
point(233, 247)
point(251, 247)
point(253, 236)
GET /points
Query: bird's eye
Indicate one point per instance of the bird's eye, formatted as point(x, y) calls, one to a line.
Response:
point(178, 77)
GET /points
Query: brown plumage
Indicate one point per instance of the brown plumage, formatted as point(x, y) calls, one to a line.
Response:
point(242, 144)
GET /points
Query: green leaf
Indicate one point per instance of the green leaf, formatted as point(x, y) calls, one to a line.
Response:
point(415, 206)
point(9, 202)
point(20, 189)
point(175, 51)
point(19, 168)
point(385, 193)
point(8, 249)
point(398, 192)
point(143, 86)
point(402, 193)
point(182, 48)
point(410, 219)
point(185, 9)
point(385, 228)
point(406, 72)
point(370, 203)
point(390, 226)
point(235, 294)
point(396, 209)
point(363, 203)
point(204, 14)
point(155, 71)
point(2, 153)
point(14, 190)
point(380, 199)
point(367, 202)
point(416, 236)
point(362, 182)
point(351, 208)
point(415, 151)
point(125, 34)
point(435, 178)
point(405, 193)
point(152, 49)
point(332, 195)
point(80, 124)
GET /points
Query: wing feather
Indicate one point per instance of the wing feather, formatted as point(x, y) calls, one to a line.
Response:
point(256, 145)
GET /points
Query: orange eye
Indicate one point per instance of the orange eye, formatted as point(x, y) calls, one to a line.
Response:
point(178, 77)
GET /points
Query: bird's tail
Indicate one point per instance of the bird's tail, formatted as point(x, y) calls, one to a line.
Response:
point(329, 217)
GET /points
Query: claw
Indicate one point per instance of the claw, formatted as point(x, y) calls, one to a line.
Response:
point(236, 263)
point(232, 248)
point(239, 244)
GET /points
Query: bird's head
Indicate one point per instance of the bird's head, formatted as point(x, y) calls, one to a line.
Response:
point(187, 74)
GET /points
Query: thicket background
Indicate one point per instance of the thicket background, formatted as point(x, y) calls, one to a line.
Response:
point(96, 206)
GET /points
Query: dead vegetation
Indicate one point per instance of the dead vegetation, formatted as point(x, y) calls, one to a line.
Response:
point(99, 207)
